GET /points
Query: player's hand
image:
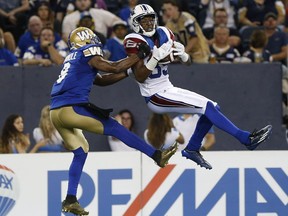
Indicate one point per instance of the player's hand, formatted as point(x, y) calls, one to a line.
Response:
point(45, 43)
point(144, 50)
point(163, 51)
point(178, 49)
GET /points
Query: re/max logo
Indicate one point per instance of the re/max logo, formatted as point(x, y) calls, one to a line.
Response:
point(185, 186)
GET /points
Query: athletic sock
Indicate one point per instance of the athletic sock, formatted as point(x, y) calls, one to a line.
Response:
point(202, 127)
point(131, 139)
point(219, 120)
point(71, 198)
point(75, 170)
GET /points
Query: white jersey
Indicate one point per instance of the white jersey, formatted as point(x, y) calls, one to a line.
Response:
point(159, 78)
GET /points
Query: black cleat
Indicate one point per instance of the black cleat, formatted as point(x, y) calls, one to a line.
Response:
point(197, 158)
point(257, 137)
point(162, 157)
point(73, 208)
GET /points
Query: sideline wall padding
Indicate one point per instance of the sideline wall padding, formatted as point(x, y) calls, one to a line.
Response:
point(249, 94)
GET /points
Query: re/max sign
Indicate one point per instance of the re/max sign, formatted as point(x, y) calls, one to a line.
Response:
point(228, 186)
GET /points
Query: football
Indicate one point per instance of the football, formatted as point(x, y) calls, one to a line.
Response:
point(170, 58)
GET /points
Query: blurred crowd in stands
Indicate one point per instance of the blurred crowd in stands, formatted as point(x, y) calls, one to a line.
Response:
point(215, 31)
point(35, 32)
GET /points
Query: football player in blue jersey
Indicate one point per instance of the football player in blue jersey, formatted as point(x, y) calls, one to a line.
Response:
point(71, 112)
point(162, 96)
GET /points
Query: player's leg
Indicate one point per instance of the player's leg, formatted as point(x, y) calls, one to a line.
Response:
point(84, 119)
point(184, 101)
point(75, 141)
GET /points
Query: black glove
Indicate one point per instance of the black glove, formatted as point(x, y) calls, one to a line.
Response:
point(144, 50)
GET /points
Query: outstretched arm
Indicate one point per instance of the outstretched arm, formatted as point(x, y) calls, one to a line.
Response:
point(122, 65)
point(109, 79)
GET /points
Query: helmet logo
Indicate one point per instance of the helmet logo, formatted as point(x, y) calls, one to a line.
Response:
point(84, 35)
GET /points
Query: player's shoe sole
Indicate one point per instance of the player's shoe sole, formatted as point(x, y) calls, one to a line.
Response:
point(197, 158)
point(163, 157)
point(258, 137)
point(73, 208)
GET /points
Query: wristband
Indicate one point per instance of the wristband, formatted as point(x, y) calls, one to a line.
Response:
point(151, 64)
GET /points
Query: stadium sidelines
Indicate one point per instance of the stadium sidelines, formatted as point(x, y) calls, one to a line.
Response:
point(241, 183)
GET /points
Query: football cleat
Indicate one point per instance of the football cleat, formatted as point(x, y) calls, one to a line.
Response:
point(162, 157)
point(197, 158)
point(259, 136)
point(73, 208)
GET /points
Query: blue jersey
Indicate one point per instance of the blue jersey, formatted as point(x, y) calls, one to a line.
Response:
point(27, 40)
point(116, 49)
point(7, 58)
point(76, 78)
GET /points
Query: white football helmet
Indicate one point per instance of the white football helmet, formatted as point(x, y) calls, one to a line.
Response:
point(139, 12)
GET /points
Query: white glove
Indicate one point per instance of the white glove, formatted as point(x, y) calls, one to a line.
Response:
point(159, 54)
point(179, 50)
point(163, 51)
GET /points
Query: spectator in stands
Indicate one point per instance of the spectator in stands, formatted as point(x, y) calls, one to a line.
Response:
point(61, 8)
point(126, 118)
point(114, 48)
point(45, 53)
point(30, 37)
point(47, 131)
point(186, 124)
point(187, 31)
point(13, 16)
point(212, 5)
point(277, 40)
point(220, 17)
point(257, 52)
point(87, 21)
point(253, 12)
point(221, 51)
point(13, 139)
point(161, 132)
point(125, 12)
point(100, 4)
point(45, 13)
point(6, 56)
point(9, 40)
point(103, 20)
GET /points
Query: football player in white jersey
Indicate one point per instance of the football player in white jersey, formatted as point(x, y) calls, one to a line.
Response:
point(162, 97)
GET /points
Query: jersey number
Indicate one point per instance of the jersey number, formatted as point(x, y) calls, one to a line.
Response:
point(64, 72)
point(158, 73)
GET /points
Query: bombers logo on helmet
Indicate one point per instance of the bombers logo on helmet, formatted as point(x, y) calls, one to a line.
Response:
point(82, 36)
